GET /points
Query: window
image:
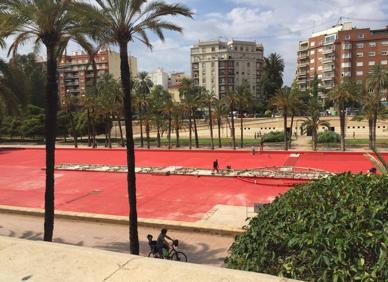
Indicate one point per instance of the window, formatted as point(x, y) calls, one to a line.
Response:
point(346, 55)
point(312, 52)
point(319, 76)
point(360, 35)
point(213, 49)
point(346, 65)
point(359, 73)
point(360, 64)
point(346, 74)
point(371, 54)
point(384, 62)
point(346, 46)
point(320, 68)
point(320, 50)
point(312, 61)
point(384, 53)
point(248, 64)
point(384, 43)
point(371, 63)
point(359, 45)
point(203, 80)
point(347, 37)
point(312, 69)
point(372, 44)
point(360, 54)
point(312, 44)
point(213, 64)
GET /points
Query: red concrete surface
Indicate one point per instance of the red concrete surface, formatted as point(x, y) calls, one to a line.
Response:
point(185, 198)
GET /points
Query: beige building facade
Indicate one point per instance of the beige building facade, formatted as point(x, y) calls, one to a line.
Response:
point(220, 66)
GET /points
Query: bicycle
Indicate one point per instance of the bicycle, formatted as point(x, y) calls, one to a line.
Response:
point(173, 253)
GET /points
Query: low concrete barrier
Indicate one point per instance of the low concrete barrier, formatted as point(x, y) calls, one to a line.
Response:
point(23, 260)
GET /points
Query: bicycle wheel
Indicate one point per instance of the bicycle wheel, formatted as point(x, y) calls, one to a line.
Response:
point(179, 256)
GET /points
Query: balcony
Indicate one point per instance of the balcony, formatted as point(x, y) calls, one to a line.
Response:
point(303, 47)
point(302, 74)
point(328, 50)
point(328, 76)
point(328, 59)
point(302, 56)
point(328, 69)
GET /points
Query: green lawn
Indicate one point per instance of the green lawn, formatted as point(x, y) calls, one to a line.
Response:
point(365, 141)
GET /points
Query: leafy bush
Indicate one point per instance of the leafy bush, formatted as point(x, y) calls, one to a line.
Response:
point(274, 136)
point(328, 137)
point(334, 229)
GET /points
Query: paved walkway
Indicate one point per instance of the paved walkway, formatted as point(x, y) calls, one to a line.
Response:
point(200, 248)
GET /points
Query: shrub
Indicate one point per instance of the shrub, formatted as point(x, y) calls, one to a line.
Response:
point(274, 136)
point(328, 137)
point(334, 229)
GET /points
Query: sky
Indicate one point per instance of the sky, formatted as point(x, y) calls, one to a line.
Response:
point(277, 24)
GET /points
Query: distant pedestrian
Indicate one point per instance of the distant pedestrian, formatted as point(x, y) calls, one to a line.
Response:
point(354, 135)
point(255, 135)
point(253, 150)
point(216, 166)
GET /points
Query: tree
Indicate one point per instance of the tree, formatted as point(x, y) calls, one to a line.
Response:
point(282, 101)
point(243, 99)
point(376, 82)
point(143, 87)
point(159, 97)
point(51, 23)
point(231, 100)
point(177, 118)
point(167, 109)
point(190, 96)
point(122, 21)
point(343, 95)
point(295, 106)
point(69, 104)
point(272, 76)
point(220, 112)
point(208, 100)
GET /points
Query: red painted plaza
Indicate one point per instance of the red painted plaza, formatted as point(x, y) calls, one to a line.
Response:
point(173, 197)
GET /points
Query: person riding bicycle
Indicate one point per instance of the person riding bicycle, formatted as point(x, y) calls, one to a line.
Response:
point(162, 244)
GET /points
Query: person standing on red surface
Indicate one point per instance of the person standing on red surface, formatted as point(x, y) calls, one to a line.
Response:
point(215, 166)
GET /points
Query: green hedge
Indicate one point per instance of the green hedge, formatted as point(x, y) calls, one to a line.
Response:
point(334, 229)
point(328, 137)
point(274, 136)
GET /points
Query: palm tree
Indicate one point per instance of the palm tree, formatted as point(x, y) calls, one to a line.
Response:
point(342, 95)
point(159, 97)
point(376, 83)
point(122, 21)
point(51, 23)
point(231, 100)
point(244, 98)
point(295, 106)
point(220, 112)
point(190, 98)
point(176, 112)
point(208, 99)
point(272, 76)
point(69, 104)
point(143, 87)
point(282, 102)
point(166, 109)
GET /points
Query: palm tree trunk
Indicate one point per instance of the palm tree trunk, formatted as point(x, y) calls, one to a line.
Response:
point(50, 124)
point(148, 133)
point(342, 128)
point(285, 130)
point(190, 141)
point(73, 130)
point(120, 130)
point(370, 125)
point(109, 128)
point(233, 135)
point(374, 128)
point(314, 137)
point(89, 128)
point(219, 132)
point(131, 176)
point(141, 128)
point(195, 131)
point(292, 125)
point(177, 136)
point(211, 126)
point(241, 130)
point(158, 135)
point(94, 130)
point(169, 131)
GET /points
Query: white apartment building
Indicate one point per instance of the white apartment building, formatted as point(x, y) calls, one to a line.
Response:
point(159, 77)
point(220, 66)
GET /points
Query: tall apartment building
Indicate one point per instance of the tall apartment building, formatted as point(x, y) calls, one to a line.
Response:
point(220, 66)
point(75, 72)
point(340, 52)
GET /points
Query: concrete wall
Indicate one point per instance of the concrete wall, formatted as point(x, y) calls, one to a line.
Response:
point(23, 260)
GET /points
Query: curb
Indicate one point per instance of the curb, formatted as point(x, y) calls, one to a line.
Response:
point(201, 227)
